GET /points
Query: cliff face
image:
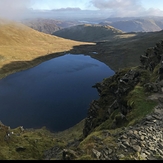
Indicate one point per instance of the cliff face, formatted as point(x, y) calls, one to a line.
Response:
point(112, 94)
point(114, 91)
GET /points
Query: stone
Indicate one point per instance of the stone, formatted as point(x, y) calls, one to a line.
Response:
point(96, 153)
point(136, 148)
point(142, 137)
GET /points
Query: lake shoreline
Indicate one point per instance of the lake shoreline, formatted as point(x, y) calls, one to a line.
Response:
point(17, 66)
point(55, 89)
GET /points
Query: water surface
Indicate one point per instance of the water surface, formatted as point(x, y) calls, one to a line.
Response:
point(55, 94)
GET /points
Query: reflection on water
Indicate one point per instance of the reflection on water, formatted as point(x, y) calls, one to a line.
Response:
point(55, 94)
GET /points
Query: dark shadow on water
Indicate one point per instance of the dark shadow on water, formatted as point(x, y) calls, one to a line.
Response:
point(16, 66)
point(51, 92)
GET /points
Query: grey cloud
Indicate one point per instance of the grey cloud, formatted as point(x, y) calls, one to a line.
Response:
point(120, 8)
point(14, 8)
point(116, 4)
point(125, 8)
point(68, 9)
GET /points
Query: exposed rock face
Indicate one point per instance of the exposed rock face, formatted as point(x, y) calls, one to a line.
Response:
point(119, 85)
point(152, 57)
point(122, 85)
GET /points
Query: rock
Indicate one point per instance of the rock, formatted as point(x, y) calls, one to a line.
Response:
point(136, 148)
point(96, 154)
point(69, 154)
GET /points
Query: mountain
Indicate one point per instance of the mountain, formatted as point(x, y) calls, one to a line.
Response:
point(43, 25)
point(88, 32)
point(21, 44)
point(136, 25)
point(48, 26)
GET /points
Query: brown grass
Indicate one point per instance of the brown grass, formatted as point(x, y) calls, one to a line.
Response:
point(21, 43)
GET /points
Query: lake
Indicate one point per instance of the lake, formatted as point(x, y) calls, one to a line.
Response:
point(56, 94)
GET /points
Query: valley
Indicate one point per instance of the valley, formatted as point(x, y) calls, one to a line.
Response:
point(124, 123)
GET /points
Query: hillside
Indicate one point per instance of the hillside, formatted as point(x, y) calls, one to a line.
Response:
point(88, 32)
point(136, 25)
point(112, 48)
point(20, 44)
point(42, 25)
point(123, 50)
point(48, 26)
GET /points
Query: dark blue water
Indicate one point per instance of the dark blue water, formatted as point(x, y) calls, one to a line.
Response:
point(55, 94)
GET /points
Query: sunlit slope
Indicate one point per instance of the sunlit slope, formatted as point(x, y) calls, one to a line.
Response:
point(21, 43)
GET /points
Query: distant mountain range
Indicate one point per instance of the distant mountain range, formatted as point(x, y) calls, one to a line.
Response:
point(48, 26)
point(136, 25)
point(126, 24)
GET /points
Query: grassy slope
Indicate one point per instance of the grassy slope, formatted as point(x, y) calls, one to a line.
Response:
point(120, 49)
point(124, 50)
point(21, 43)
point(88, 32)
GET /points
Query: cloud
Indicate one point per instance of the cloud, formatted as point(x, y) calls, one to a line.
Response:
point(20, 9)
point(116, 4)
point(13, 8)
point(155, 12)
point(68, 9)
point(124, 8)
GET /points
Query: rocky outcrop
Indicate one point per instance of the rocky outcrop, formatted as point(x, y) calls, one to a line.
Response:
point(119, 85)
point(152, 57)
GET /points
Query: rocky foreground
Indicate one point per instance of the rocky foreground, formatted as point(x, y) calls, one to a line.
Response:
point(143, 141)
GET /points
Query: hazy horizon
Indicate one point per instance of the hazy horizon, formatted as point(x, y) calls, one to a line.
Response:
point(77, 9)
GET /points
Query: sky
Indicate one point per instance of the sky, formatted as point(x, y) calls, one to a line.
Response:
point(96, 4)
point(116, 8)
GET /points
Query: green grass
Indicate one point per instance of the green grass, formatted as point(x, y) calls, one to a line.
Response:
point(141, 106)
point(33, 144)
point(88, 33)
